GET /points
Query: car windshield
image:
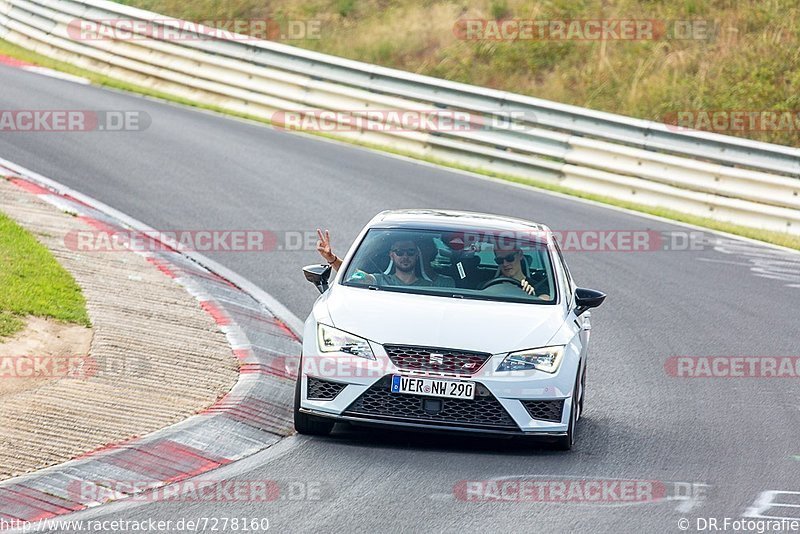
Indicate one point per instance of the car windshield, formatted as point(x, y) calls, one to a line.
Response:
point(490, 265)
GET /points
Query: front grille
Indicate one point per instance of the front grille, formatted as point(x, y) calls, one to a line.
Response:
point(433, 359)
point(545, 410)
point(483, 412)
point(322, 389)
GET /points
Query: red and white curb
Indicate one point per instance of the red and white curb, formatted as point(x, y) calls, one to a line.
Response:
point(255, 414)
point(44, 71)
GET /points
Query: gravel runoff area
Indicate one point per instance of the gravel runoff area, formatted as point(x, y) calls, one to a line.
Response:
point(156, 356)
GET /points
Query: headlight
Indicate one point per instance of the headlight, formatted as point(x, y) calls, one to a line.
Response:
point(330, 339)
point(547, 359)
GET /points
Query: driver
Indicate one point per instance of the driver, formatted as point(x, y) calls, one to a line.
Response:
point(406, 267)
point(509, 265)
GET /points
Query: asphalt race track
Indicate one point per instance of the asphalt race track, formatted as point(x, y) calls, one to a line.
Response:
point(729, 439)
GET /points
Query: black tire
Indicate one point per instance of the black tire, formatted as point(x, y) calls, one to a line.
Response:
point(304, 423)
point(583, 392)
point(566, 443)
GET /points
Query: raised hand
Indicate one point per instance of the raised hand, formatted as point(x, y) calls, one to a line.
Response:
point(324, 246)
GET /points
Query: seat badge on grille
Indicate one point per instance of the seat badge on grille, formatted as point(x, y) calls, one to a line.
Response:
point(436, 359)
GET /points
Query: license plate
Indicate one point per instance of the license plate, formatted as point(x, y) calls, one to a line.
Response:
point(433, 387)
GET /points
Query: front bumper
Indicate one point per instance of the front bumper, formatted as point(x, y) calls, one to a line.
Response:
point(362, 396)
point(392, 423)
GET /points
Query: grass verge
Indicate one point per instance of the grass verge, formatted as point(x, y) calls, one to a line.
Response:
point(776, 238)
point(33, 282)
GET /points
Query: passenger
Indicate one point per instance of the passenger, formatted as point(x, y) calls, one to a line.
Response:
point(509, 262)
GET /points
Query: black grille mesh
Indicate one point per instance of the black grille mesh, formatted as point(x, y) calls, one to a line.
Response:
point(484, 411)
point(322, 389)
point(545, 410)
point(452, 361)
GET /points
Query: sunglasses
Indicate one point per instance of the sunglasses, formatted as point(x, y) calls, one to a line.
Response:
point(505, 259)
point(404, 252)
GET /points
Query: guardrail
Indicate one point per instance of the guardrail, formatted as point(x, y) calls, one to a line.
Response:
point(710, 175)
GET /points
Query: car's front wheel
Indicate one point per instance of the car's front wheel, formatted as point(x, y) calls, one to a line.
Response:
point(309, 424)
point(583, 393)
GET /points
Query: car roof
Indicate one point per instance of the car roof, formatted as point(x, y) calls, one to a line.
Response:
point(435, 219)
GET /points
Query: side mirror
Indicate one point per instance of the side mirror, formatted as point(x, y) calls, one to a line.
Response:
point(587, 298)
point(318, 275)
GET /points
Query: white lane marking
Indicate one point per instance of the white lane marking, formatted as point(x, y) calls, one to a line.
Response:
point(9, 61)
point(767, 500)
point(726, 262)
point(44, 71)
point(763, 262)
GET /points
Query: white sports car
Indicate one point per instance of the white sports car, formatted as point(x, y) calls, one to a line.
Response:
point(450, 321)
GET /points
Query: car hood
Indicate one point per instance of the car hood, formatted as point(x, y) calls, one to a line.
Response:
point(474, 325)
